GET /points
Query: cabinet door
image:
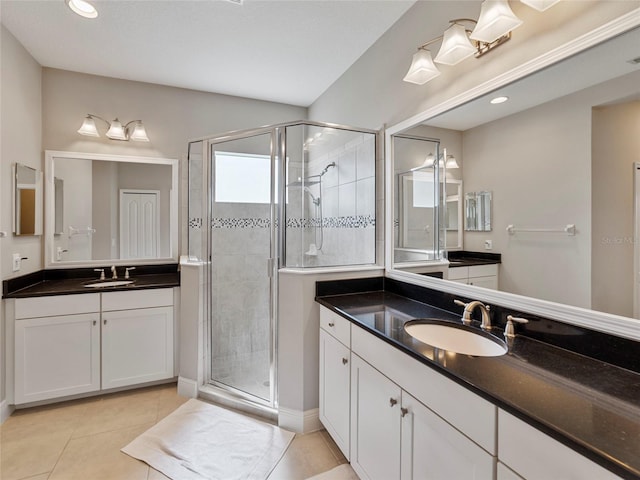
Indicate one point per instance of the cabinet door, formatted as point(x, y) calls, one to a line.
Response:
point(375, 423)
point(521, 446)
point(434, 450)
point(484, 282)
point(335, 376)
point(56, 357)
point(137, 346)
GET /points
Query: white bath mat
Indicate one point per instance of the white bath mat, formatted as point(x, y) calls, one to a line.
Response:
point(341, 472)
point(201, 441)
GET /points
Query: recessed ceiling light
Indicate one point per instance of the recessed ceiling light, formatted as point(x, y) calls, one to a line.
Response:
point(498, 100)
point(82, 8)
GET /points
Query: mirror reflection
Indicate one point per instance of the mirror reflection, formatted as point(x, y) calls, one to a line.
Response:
point(477, 211)
point(114, 208)
point(27, 199)
point(560, 152)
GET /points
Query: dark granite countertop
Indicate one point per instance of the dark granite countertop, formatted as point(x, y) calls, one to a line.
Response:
point(73, 281)
point(589, 405)
point(463, 258)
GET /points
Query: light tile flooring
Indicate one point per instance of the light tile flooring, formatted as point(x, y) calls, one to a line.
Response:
point(81, 440)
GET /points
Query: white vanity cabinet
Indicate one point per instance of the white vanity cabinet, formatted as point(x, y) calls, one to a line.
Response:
point(407, 421)
point(73, 344)
point(335, 377)
point(485, 276)
point(57, 347)
point(521, 448)
point(137, 337)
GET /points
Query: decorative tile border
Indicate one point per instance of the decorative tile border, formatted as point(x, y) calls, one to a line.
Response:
point(351, 221)
point(195, 223)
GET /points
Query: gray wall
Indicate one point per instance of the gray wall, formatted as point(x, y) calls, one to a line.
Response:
point(20, 138)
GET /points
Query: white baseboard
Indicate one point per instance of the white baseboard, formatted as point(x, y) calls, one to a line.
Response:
point(299, 422)
point(5, 411)
point(187, 387)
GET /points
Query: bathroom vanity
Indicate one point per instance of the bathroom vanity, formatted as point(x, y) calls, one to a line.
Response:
point(399, 408)
point(67, 338)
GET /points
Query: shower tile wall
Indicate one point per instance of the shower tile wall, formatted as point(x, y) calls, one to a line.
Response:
point(240, 328)
point(348, 208)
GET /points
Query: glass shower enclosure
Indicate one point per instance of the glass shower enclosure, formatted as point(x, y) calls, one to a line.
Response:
point(297, 195)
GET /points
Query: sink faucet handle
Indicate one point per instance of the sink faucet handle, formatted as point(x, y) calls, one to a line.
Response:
point(509, 330)
point(460, 302)
point(126, 272)
point(114, 272)
point(101, 270)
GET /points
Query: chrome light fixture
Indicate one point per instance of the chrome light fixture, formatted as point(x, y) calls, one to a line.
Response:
point(430, 162)
point(82, 8)
point(116, 130)
point(496, 20)
point(540, 5)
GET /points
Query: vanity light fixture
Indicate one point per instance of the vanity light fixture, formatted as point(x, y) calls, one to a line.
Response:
point(82, 8)
point(459, 42)
point(496, 20)
point(540, 5)
point(133, 130)
point(429, 162)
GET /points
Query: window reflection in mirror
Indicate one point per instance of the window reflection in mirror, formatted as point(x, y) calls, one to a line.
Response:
point(110, 208)
point(27, 198)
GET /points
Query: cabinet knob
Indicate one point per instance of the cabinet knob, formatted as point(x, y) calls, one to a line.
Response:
point(95, 321)
point(392, 402)
point(344, 361)
point(404, 411)
point(105, 321)
point(331, 324)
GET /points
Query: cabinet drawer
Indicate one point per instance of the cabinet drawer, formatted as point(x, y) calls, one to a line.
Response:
point(161, 297)
point(458, 273)
point(559, 460)
point(335, 325)
point(483, 270)
point(35, 307)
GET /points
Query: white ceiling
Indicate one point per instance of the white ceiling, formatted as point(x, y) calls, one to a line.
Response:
point(287, 51)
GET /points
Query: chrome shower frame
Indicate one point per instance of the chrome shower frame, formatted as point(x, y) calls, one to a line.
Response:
point(221, 392)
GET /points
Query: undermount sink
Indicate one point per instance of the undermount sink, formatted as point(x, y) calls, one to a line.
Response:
point(108, 283)
point(455, 338)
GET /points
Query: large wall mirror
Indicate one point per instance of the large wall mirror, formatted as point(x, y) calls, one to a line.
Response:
point(559, 153)
point(110, 209)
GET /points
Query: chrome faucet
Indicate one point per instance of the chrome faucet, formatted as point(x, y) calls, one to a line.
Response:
point(468, 310)
point(114, 272)
point(126, 272)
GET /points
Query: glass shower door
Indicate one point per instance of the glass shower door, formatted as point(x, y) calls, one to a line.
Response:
point(242, 280)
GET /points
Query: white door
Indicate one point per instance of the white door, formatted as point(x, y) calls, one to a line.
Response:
point(139, 223)
point(334, 390)
point(137, 346)
point(56, 356)
point(375, 423)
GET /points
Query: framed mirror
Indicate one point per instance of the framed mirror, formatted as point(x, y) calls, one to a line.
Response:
point(110, 209)
point(477, 211)
point(559, 152)
point(27, 200)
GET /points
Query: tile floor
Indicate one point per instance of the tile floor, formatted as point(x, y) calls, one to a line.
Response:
point(81, 440)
